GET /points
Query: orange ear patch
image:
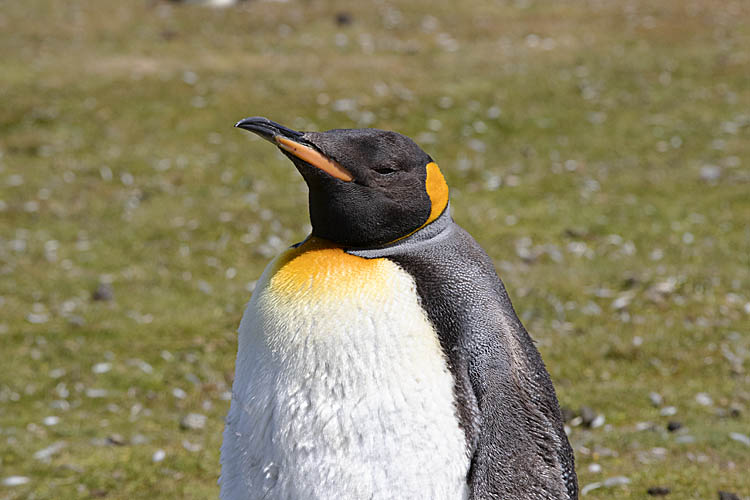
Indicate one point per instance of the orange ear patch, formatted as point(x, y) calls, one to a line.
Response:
point(437, 190)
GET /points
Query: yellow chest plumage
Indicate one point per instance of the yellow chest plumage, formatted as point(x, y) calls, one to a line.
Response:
point(317, 270)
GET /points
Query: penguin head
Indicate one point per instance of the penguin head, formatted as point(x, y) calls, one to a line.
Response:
point(368, 187)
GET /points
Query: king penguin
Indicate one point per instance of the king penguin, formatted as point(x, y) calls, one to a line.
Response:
point(381, 358)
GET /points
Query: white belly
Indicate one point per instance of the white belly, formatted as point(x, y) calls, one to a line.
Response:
point(341, 392)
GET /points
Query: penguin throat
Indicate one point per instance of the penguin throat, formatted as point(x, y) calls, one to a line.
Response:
point(429, 234)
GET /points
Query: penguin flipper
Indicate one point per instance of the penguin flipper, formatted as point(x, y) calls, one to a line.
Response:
point(521, 450)
point(504, 397)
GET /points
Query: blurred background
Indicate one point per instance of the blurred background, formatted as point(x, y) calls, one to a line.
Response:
point(598, 150)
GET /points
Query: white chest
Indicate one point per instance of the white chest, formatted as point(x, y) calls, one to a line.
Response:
point(341, 389)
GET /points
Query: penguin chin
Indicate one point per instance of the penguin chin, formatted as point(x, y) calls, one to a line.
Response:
point(357, 216)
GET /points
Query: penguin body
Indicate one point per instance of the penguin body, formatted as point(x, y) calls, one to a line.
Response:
point(334, 406)
point(386, 362)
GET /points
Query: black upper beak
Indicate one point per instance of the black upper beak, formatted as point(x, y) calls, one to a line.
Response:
point(267, 129)
point(294, 145)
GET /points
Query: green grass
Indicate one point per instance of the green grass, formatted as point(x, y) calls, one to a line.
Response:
point(578, 135)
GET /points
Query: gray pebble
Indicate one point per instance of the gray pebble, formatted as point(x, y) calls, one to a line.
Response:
point(15, 480)
point(343, 18)
point(703, 399)
point(96, 393)
point(725, 495)
point(76, 320)
point(103, 367)
point(567, 414)
point(740, 438)
point(590, 487)
point(588, 416)
point(655, 399)
point(47, 453)
point(139, 439)
point(103, 293)
point(194, 447)
point(710, 173)
point(668, 411)
point(116, 439)
point(607, 483)
point(616, 481)
point(51, 420)
point(598, 421)
point(193, 421)
point(658, 491)
point(734, 411)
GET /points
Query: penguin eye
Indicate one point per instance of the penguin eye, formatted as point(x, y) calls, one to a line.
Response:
point(384, 170)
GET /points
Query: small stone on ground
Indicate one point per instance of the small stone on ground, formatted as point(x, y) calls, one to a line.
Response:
point(103, 293)
point(15, 480)
point(658, 491)
point(725, 495)
point(193, 421)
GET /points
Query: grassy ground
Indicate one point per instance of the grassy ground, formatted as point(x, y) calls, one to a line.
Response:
point(599, 151)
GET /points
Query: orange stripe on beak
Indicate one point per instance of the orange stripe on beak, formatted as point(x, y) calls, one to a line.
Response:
point(314, 158)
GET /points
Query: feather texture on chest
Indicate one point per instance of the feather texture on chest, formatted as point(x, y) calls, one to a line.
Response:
point(341, 388)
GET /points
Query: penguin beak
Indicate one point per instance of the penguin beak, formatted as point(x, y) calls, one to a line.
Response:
point(290, 141)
